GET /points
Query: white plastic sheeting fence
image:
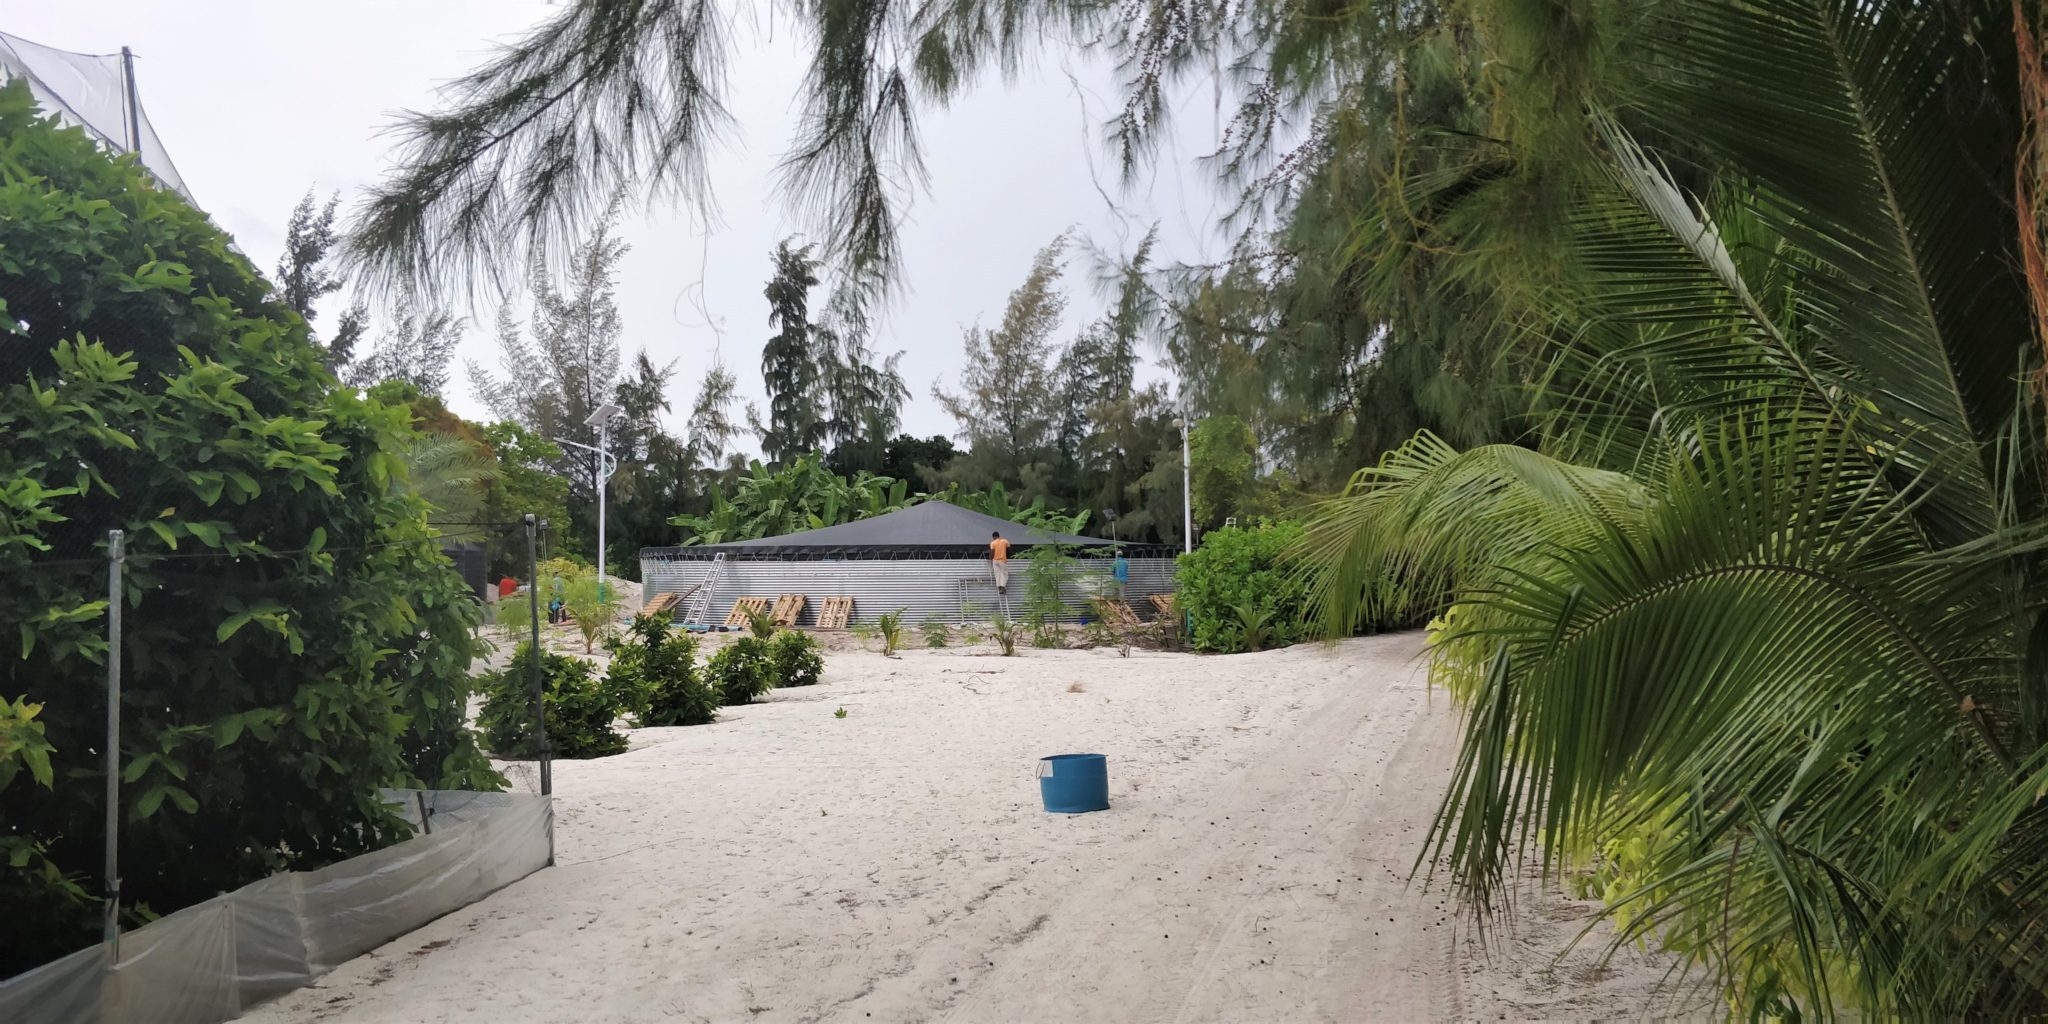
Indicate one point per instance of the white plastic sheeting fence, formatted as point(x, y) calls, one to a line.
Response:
point(210, 962)
point(953, 590)
point(93, 91)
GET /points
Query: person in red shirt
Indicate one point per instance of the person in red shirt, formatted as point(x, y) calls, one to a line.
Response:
point(999, 560)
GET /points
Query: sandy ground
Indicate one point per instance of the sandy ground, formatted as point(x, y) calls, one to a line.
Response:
point(894, 865)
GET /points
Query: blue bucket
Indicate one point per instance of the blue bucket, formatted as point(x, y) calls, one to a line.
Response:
point(1074, 783)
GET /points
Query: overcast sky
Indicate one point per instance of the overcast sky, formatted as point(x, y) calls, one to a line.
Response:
point(258, 99)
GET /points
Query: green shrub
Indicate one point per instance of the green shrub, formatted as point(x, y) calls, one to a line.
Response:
point(1005, 633)
point(889, 627)
point(592, 607)
point(936, 632)
point(563, 568)
point(742, 671)
point(759, 622)
point(1044, 604)
point(654, 673)
point(582, 711)
point(294, 639)
point(794, 660)
point(1254, 626)
point(1238, 578)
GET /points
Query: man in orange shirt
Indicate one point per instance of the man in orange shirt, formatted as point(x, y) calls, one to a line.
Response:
point(999, 557)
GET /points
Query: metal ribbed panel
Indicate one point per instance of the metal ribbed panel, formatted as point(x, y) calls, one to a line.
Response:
point(954, 590)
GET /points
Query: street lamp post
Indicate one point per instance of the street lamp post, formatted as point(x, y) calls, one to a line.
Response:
point(1187, 505)
point(606, 466)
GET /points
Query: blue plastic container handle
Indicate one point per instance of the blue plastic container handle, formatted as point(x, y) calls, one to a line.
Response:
point(1074, 783)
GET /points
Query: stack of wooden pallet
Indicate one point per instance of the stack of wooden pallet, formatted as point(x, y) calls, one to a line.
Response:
point(740, 608)
point(1115, 612)
point(787, 608)
point(835, 612)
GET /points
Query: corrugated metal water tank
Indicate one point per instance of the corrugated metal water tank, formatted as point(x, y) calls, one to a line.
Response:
point(955, 590)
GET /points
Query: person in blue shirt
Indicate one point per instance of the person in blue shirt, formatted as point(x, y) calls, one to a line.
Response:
point(1122, 571)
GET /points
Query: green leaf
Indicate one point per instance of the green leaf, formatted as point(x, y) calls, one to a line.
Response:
point(231, 625)
point(38, 759)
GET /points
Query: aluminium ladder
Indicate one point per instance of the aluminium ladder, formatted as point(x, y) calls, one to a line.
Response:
point(698, 612)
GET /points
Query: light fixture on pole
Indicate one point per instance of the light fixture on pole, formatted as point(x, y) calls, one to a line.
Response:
point(1187, 505)
point(606, 466)
point(1110, 514)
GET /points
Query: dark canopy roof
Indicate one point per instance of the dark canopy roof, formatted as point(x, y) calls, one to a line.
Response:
point(933, 528)
point(926, 524)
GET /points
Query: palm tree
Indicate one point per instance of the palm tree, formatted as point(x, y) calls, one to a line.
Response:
point(1754, 637)
point(450, 473)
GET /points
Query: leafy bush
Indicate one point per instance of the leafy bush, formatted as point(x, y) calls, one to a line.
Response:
point(309, 645)
point(759, 622)
point(1254, 626)
point(1238, 578)
point(1005, 633)
point(794, 660)
point(654, 674)
point(592, 607)
point(936, 632)
point(560, 567)
point(889, 627)
point(742, 671)
point(1044, 604)
point(582, 711)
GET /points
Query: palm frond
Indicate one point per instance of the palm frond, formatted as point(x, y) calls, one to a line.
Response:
point(1451, 520)
point(451, 474)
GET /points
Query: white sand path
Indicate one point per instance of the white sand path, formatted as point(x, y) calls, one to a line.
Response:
point(894, 865)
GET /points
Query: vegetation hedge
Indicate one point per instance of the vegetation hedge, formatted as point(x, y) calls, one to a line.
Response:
point(742, 671)
point(582, 711)
point(794, 659)
point(655, 674)
point(308, 643)
point(1239, 592)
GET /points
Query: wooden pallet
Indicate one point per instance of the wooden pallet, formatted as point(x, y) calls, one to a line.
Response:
point(663, 602)
point(1167, 609)
point(788, 607)
point(741, 607)
point(1115, 612)
point(835, 612)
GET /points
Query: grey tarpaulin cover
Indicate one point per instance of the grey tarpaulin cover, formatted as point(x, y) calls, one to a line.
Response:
point(211, 961)
point(926, 524)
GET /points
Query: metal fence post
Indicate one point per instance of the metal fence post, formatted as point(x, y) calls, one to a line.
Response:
point(110, 932)
point(540, 707)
